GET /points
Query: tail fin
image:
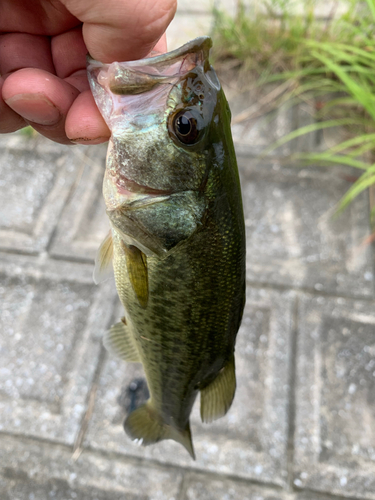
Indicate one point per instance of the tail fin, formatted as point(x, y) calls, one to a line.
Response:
point(146, 424)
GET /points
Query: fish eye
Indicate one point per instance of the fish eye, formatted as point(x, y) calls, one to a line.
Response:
point(185, 127)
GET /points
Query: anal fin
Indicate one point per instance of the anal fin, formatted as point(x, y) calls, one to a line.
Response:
point(119, 342)
point(217, 397)
point(146, 425)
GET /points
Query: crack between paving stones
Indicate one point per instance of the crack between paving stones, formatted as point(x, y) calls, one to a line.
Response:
point(136, 460)
point(207, 474)
point(310, 291)
point(19, 251)
point(72, 189)
point(78, 443)
point(292, 395)
point(181, 495)
point(72, 258)
point(325, 495)
point(254, 284)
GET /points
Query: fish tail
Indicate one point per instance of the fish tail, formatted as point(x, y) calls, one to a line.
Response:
point(147, 425)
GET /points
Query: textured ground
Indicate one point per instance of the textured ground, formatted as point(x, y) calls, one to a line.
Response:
point(302, 426)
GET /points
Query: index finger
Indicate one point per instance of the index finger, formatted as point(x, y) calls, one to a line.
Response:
point(122, 30)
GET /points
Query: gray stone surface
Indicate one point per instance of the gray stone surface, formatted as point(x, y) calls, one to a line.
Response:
point(205, 6)
point(257, 123)
point(83, 223)
point(335, 415)
point(251, 440)
point(52, 316)
point(186, 26)
point(34, 470)
point(198, 486)
point(33, 190)
point(293, 238)
point(254, 136)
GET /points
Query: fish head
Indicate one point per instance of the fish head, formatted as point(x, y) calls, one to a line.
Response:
point(161, 113)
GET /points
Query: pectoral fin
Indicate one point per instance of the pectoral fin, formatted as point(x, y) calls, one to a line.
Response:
point(103, 260)
point(147, 425)
point(217, 397)
point(119, 342)
point(136, 263)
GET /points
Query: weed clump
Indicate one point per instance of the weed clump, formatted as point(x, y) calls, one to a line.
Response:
point(330, 61)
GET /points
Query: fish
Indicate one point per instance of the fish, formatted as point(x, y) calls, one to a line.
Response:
point(177, 236)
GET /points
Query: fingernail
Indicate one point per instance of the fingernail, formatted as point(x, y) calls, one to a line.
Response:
point(88, 140)
point(35, 108)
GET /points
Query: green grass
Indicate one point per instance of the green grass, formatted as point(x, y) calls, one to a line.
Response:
point(28, 132)
point(331, 62)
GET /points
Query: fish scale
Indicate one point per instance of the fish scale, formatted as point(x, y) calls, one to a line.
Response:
point(177, 239)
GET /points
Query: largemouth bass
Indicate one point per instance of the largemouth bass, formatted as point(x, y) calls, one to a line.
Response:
point(177, 239)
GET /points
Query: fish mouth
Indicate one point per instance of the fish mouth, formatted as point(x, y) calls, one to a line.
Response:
point(130, 78)
point(125, 186)
point(119, 191)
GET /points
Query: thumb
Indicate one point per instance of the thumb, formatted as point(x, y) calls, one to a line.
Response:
point(121, 30)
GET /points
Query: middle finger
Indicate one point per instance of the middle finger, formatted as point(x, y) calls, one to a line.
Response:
point(21, 50)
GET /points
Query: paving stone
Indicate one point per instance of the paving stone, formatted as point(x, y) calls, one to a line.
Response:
point(35, 183)
point(52, 318)
point(293, 238)
point(202, 7)
point(30, 143)
point(335, 416)
point(187, 26)
point(33, 470)
point(257, 123)
point(251, 440)
point(199, 486)
point(84, 223)
point(203, 487)
point(313, 495)
point(252, 137)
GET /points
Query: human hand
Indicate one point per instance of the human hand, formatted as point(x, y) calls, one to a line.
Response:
point(43, 47)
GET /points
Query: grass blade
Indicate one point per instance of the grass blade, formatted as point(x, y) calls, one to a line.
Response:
point(328, 159)
point(313, 127)
point(371, 6)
